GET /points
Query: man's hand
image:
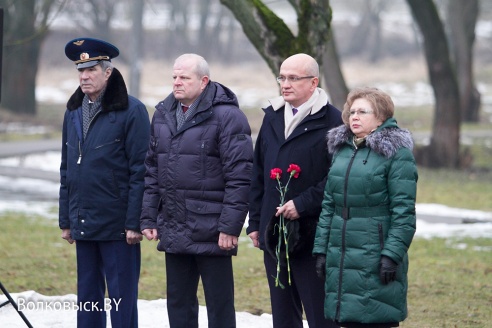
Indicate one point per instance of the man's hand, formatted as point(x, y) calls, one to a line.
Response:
point(288, 210)
point(150, 234)
point(227, 242)
point(133, 237)
point(67, 235)
point(255, 238)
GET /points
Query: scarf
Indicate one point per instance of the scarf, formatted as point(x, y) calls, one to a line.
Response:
point(317, 100)
point(89, 110)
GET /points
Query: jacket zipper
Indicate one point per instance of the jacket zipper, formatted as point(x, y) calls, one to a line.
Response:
point(345, 216)
point(80, 147)
point(380, 230)
point(108, 143)
point(80, 154)
point(204, 159)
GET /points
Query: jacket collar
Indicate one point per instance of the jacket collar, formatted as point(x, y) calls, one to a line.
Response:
point(214, 94)
point(115, 97)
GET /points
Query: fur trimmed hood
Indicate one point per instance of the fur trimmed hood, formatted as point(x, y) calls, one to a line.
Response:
point(115, 97)
point(386, 140)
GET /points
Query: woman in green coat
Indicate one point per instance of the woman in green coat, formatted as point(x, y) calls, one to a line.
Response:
point(367, 221)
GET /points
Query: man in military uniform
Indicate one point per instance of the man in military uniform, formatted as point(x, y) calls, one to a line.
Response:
point(105, 138)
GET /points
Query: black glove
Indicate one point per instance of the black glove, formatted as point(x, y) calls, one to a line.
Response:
point(387, 270)
point(321, 265)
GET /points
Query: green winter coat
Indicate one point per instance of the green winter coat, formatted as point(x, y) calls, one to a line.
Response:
point(368, 211)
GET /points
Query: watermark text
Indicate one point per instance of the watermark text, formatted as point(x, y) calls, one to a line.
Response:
point(68, 305)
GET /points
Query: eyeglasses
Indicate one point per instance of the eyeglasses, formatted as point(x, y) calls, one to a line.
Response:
point(360, 112)
point(283, 79)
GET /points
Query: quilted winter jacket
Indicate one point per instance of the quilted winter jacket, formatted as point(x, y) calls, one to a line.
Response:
point(368, 211)
point(198, 177)
point(102, 177)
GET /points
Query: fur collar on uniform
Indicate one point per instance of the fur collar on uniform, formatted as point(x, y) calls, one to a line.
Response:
point(115, 97)
point(386, 140)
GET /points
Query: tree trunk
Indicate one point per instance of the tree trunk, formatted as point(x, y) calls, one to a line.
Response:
point(332, 74)
point(362, 33)
point(20, 62)
point(273, 39)
point(178, 16)
point(444, 147)
point(377, 44)
point(25, 28)
point(136, 44)
point(462, 19)
point(443, 150)
point(205, 40)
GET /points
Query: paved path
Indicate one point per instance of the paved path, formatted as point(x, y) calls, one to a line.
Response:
point(23, 148)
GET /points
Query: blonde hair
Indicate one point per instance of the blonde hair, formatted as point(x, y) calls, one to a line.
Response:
point(381, 103)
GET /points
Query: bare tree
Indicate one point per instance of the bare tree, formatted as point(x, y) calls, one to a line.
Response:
point(25, 27)
point(367, 36)
point(206, 40)
point(444, 147)
point(93, 17)
point(179, 20)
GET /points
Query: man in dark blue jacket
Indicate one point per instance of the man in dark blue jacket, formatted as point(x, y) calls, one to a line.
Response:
point(196, 191)
point(293, 132)
point(105, 137)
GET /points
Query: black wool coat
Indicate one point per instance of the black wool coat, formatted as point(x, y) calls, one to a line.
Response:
point(306, 147)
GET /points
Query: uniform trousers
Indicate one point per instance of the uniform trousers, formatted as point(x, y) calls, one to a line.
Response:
point(183, 273)
point(306, 290)
point(117, 265)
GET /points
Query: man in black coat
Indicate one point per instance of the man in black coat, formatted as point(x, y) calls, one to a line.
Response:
point(293, 132)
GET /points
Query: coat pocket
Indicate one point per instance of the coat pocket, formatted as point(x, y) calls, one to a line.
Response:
point(202, 219)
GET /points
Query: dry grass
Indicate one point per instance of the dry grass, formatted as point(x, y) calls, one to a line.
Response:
point(449, 280)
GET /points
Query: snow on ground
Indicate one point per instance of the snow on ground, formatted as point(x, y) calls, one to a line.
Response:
point(59, 312)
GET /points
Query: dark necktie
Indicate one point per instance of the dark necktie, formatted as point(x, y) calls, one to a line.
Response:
point(185, 108)
point(294, 111)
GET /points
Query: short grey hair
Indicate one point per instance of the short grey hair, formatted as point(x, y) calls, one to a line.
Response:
point(201, 66)
point(105, 64)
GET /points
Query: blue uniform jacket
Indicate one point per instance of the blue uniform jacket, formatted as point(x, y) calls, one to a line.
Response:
point(102, 177)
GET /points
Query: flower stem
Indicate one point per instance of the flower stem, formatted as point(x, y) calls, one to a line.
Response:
point(282, 236)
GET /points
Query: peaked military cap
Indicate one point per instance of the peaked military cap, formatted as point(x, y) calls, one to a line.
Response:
point(88, 52)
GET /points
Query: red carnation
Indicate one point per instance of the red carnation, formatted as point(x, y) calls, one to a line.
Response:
point(294, 170)
point(275, 173)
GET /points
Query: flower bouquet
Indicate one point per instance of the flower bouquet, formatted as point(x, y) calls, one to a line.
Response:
point(281, 228)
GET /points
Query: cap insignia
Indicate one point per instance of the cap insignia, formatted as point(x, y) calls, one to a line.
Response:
point(84, 56)
point(78, 43)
